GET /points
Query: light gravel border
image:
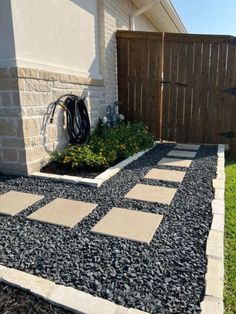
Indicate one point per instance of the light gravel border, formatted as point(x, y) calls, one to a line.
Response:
point(98, 180)
point(213, 299)
point(65, 297)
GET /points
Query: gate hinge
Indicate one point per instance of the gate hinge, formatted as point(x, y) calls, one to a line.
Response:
point(231, 91)
point(232, 41)
point(229, 135)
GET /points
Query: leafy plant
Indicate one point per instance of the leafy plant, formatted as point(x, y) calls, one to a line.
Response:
point(106, 147)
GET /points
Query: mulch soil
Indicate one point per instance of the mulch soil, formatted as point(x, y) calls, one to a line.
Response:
point(16, 301)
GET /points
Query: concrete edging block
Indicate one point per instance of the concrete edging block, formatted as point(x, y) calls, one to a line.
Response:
point(38, 286)
point(215, 277)
point(219, 183)
point(65, 297)
point(215, 246)
point(213, 299)
point(218, 222)
point(98, 180)
point(218, 206)
point(211, 305)
point(219, 194)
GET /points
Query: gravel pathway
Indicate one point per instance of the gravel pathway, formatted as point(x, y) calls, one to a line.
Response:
point(166, 276)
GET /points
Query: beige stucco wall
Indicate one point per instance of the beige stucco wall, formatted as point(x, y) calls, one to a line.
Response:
point(59, 36)
point(7, 44)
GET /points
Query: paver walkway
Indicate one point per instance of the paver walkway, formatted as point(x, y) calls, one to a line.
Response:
point(119, 222)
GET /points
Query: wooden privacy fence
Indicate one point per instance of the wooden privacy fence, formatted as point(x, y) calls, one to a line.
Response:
point(182, 86)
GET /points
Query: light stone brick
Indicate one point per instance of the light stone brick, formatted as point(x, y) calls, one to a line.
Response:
point(8, 84)
point(215, 278)
point(81, 302)
point(31, 126)
point(134, 311)
point(34, 284)
point(218, 206)
point(35, 98)
point(12, 142)
point(211, 305)
point(8, 72)
point(10, 112)
point(215, 244)
point(13, 168)
point(9, 154)
point(221, 176)
point(9, 98)
point(2, 269)
point(35, 85)
point(39, 152)
point(218, 184)
point(8, 127)
point(34, 141)
point(218, 222)
point(36, 165)
point(27, 73)
point(219, 194)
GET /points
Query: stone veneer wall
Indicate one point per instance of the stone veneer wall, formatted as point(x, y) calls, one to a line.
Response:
point(25, 96)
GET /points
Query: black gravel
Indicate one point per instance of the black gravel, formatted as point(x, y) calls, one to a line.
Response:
point(16, 301)
point(166, 276)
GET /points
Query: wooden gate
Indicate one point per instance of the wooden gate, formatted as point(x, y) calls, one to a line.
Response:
point(139, 75)
point(182, 85)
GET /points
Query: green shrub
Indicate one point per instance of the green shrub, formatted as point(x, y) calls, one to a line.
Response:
point(106, 147)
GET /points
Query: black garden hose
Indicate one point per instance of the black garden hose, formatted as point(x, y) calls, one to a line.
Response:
point(77, 118)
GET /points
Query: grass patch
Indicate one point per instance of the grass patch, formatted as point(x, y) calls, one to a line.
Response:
point(230, 238)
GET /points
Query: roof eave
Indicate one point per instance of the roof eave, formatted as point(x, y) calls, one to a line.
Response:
point(176, 24)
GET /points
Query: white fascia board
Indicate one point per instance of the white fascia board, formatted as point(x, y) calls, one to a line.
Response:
point(168, 16)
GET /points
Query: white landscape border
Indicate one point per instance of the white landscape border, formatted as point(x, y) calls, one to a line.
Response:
point(65, 297)
point(98, 180)
point(213, 300)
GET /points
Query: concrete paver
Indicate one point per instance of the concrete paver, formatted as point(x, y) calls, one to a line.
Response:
point(13, 202)
point(174, 162)
point(165, 175)
point(151, 193)
point(182, 153)
point(129, 224)
point(63, 212)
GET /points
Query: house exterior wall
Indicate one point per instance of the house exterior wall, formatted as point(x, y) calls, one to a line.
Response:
point(115, 15)
point(32, 78)
point(57, 36)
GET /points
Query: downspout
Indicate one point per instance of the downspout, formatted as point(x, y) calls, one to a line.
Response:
point(141, 11)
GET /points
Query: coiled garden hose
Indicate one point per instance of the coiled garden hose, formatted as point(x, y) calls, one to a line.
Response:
point(77, 118)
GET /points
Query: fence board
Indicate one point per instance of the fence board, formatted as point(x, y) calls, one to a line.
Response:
point(139, 75)
point(197, 69)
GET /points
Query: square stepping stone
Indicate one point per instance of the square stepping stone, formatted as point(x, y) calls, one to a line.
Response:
point(165, 175)
point(63, 212)
point(129, 224)
point(182, 153)
point(12, 203)
point(187, 146)
point(174, 162)
point(150, 193)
